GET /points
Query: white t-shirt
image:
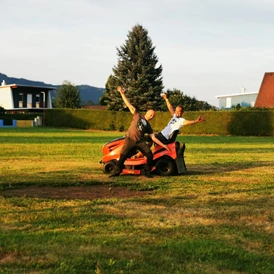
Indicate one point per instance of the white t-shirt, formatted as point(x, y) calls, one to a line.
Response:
point(174, 124)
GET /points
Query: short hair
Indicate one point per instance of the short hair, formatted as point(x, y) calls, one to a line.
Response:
point(180, 106)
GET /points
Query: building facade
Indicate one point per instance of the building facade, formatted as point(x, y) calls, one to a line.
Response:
point(19, 97)
point(262, 99)
point(244, 99)
point(265, 97)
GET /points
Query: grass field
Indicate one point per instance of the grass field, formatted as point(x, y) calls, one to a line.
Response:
point(216, 218)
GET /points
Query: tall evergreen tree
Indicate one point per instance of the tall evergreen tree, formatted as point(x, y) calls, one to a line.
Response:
point(67, 96)
point(137, 71)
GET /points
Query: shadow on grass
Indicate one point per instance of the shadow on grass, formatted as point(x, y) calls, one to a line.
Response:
point(224, 167)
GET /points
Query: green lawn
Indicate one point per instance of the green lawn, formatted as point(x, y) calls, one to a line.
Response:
point(216, 218)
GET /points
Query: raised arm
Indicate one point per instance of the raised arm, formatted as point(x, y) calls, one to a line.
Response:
point(131, 108)
point(169, 106)
point(192, 122)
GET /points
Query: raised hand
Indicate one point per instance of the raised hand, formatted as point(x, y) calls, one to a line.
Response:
point(163, 95)
point(201, 119)
point(120, 89)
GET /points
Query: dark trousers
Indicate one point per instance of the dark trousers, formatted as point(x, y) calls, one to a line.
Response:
point(142, 146)
point(172, 137)
point(162, 138)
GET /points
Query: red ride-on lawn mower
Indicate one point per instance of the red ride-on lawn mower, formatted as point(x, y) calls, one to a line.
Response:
point(165, 162)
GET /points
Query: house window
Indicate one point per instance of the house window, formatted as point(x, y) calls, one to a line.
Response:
point(228, 102)
point(29, 100)
point(37, 105)
point(20, 100)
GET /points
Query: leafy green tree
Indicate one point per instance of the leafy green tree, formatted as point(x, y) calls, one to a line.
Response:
point(67, 96)
point(177, 97)
point(111, 92)
point(137, 71)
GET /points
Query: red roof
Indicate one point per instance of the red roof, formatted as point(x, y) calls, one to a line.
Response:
point(265, 97)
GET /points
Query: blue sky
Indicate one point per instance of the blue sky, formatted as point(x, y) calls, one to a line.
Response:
point(206, 47)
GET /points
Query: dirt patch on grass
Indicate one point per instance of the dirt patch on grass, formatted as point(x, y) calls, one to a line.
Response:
point(74, 192)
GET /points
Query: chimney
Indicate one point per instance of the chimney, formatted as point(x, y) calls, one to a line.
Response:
point(3, 83)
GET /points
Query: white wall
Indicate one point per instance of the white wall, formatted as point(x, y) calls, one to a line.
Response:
point(244, 100)
point(6, 100)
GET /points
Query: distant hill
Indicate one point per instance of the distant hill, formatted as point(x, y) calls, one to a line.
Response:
point(89, 95)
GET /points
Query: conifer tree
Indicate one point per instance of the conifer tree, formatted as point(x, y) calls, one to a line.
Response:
point(137, 72)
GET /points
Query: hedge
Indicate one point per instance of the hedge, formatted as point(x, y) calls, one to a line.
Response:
point(242, 122)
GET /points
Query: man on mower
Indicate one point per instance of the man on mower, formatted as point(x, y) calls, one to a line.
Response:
point(166, 136)
point(169, 133)
point(135, 137)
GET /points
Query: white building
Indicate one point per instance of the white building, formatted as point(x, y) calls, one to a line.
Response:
point(20, 97)
point(244, 99)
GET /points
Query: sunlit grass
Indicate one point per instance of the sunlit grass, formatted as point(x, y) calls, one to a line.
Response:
point(216, 218)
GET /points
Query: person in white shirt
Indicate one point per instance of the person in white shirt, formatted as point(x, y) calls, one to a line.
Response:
point(166, 136)
point(169, 133)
